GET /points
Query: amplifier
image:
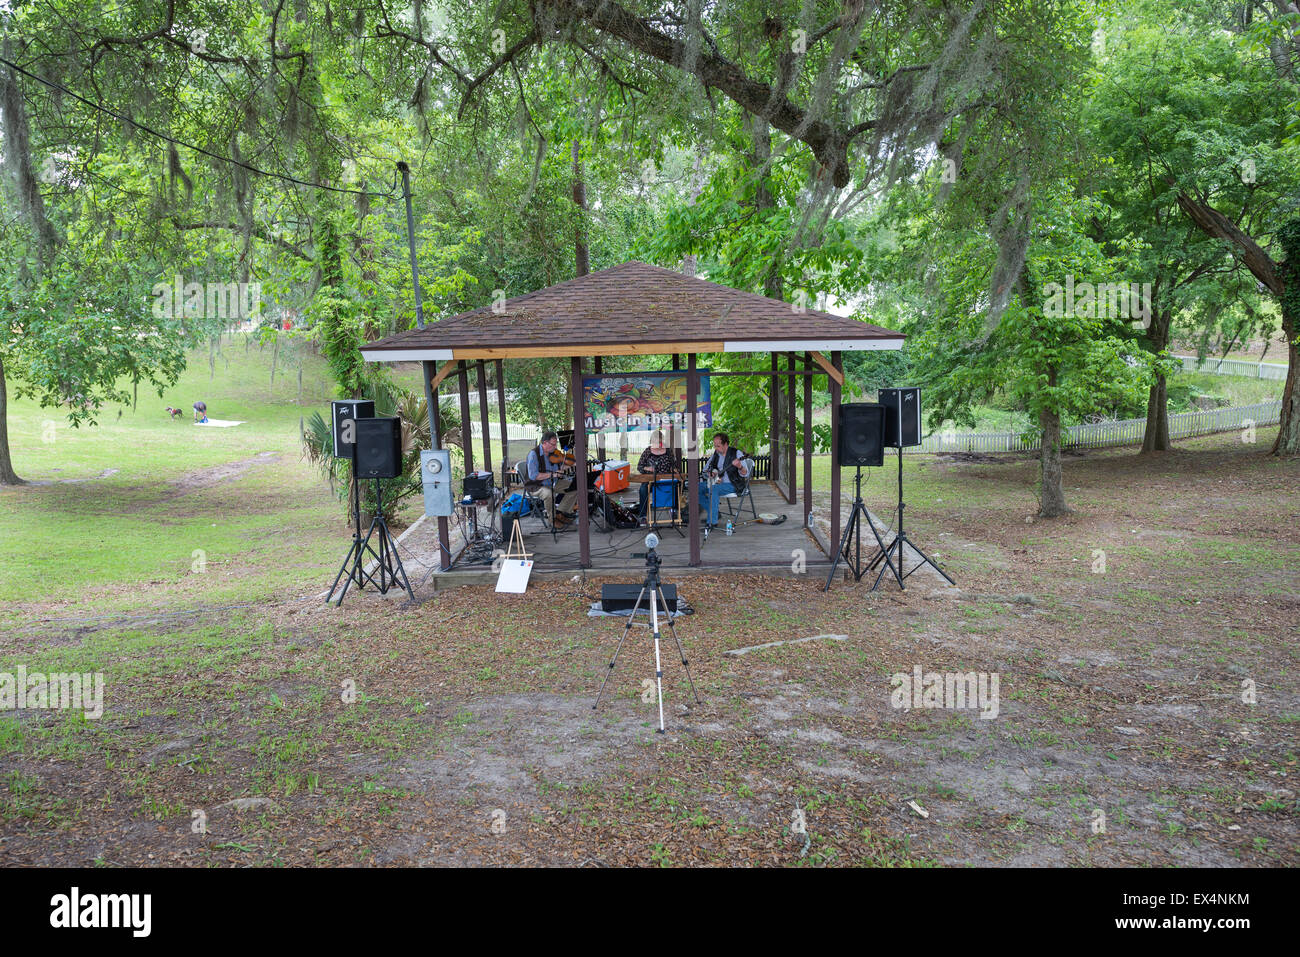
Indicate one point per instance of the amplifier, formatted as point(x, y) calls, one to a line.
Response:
point(623, 597)
point(477, 486)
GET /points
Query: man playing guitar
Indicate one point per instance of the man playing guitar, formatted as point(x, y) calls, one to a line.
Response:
point(728, 471)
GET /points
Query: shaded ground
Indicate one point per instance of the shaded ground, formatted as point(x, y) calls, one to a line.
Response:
point(472, 739)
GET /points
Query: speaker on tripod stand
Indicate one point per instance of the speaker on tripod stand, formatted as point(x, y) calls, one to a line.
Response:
point(861, 443)
point(377, 455)
point(902, 430)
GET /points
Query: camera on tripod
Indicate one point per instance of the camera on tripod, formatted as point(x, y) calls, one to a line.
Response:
point(652, 590)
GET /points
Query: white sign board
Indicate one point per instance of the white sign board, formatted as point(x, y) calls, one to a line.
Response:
point(514, 575)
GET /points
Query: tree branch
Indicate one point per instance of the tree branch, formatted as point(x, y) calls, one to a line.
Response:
point(258, 231)
point(1214, 223)
point(829, 144)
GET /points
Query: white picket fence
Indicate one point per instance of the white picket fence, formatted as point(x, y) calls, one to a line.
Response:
point(514, 430)
point(1254, 370)
point(1182, 425)
point(1096, 435)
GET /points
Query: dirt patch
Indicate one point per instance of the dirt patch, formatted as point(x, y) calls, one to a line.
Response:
point(217, 474)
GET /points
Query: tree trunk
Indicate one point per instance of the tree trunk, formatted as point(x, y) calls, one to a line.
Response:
point(1052, 492)
point(581, 255)
point(1156, 438)
point(764, 201)
point(1288, 432)
point(7, 474)
point(18, 158)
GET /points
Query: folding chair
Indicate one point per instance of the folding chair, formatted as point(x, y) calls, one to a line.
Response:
point(539, 505)
point(740, 499)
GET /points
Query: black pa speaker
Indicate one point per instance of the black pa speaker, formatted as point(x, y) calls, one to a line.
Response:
point(903, 416)
point(379, 448)
point(345, 416)
point(623, 597)
point(862, 434)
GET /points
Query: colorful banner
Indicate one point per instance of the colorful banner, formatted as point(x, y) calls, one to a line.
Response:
point(641, 401)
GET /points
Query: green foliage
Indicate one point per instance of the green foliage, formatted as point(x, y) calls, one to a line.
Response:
point(1074, 364)
point(69, 340)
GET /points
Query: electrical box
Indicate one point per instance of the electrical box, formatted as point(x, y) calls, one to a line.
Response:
point(435, 473)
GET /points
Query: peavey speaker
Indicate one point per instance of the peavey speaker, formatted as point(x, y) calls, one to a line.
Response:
point(903, 416)
point(379, 448)
point(862, 434)
point(345, 415)
point(623, 597)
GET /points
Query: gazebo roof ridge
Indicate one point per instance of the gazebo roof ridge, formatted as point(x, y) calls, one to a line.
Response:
point(631, 308)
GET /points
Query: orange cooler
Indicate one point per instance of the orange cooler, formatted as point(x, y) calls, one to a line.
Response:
point(614, 478)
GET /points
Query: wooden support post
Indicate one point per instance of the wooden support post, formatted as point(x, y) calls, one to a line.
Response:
point(435, 423)
point(807, 441)
point(466, 429)
point(483, 416)
point(598, 368)
point(501, 411)
point(580, 453)
point(693, 453)
point(790, 416)
point(774, 443)
point(835, 457)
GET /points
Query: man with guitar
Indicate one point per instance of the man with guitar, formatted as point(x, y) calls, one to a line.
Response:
point(541, 473)
point(728, 471)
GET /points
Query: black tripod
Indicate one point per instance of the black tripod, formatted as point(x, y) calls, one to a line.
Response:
point(650, 586)
point(851, 542)
point(901, 540)
point(389, 574)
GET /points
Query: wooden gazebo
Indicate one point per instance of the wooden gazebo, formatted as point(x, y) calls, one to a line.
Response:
point(639, 309)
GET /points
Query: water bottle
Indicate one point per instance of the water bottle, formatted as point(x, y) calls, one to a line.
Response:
point(730, 527)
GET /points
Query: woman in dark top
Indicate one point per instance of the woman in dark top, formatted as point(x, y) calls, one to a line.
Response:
point(656, 458)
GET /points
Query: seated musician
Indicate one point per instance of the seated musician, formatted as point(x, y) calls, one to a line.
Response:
point(656, 458)
point(543, 479)
point(731, 470)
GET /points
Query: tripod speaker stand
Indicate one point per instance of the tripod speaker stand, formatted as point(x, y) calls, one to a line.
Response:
point(652, 588)
point(850, 549)
point(388, 563)
point(900, 541)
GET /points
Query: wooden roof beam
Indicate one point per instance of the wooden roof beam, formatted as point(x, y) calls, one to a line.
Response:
point(829, 368)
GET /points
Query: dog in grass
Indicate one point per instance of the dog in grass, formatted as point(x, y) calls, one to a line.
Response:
point(174, 413)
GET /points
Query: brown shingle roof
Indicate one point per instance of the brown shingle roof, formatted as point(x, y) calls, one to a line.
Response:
point(631, 304)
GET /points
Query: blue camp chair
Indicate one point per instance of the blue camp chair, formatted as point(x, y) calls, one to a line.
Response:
point(663, 495)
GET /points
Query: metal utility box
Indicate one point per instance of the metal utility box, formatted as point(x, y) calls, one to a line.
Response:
point(435, 473)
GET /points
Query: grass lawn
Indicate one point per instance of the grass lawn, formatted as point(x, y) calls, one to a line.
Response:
point(459, 730)
point(200, 515)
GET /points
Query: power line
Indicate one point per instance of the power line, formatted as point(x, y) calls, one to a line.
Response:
point(198, 149)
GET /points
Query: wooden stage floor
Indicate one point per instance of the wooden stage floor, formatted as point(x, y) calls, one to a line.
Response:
point(754, 547)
